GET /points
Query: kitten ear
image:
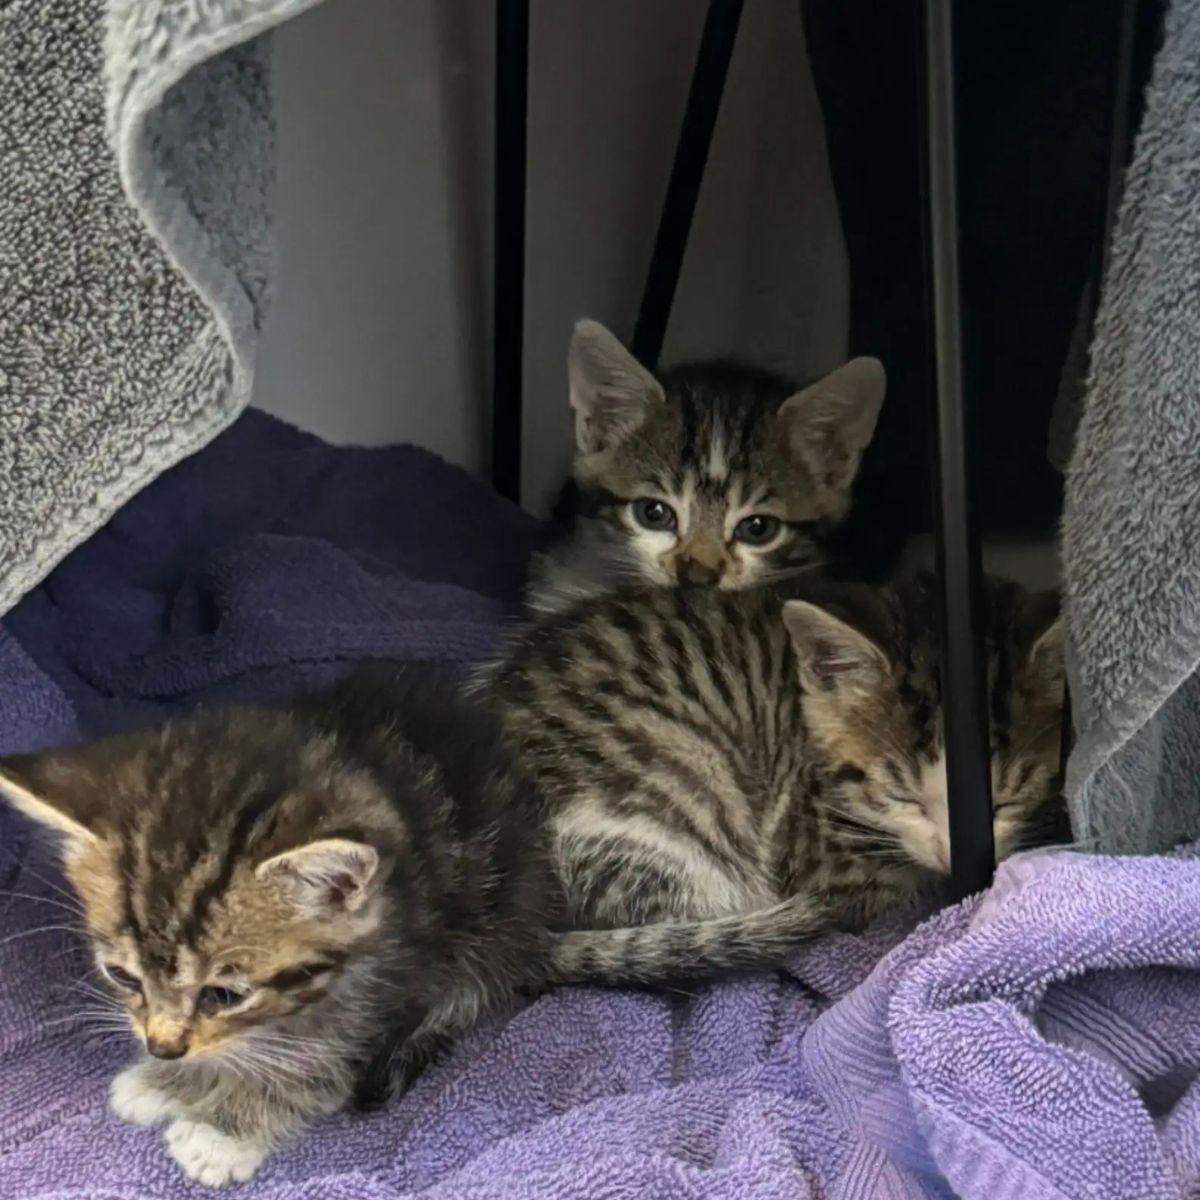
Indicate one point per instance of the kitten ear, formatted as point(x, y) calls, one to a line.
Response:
point(833, 656)
point(611, 392)
point(324, 876)
point(55, 791)
point(830, 423)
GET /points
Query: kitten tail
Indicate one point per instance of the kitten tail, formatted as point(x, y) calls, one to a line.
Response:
point(670, 953)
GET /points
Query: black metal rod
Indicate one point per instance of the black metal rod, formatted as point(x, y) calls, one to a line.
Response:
point(687, 173)
point(508, 311)
point(964, 676)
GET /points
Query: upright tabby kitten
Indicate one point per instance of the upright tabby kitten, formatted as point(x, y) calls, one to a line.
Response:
point(708, 753)
point(716, 474)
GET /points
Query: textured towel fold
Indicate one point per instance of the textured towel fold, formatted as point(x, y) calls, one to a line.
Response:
point(1131, 527)
point(137, 163)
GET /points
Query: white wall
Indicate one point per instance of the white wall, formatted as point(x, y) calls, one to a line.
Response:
point(380, 330)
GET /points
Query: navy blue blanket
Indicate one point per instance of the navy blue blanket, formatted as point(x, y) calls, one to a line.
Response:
point(268, 561)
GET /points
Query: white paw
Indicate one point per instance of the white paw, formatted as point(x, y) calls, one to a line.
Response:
point(211, 1157)
point(135, 1099)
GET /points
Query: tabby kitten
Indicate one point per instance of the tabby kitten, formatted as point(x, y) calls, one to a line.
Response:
point(716, 474)
point(296, 907)
point(269, 893)
point(709, 753)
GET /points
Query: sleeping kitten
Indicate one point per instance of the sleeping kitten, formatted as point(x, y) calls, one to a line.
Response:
point(707, 753)
point(716, 475)
point(294, 907)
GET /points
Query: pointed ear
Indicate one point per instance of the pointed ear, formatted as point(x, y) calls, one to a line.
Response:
point(830, 423)
point(833, 656)
point(611, 392)
point(57, 792)
point(324, 876)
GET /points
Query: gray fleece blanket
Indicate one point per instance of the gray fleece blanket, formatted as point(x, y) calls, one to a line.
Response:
point(135, 155)
point(1131, 529)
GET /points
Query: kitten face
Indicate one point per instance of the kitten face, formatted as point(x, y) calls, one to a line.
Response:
point(873, 703)
point(714, 475)
point(256, 960)
point(216, 908)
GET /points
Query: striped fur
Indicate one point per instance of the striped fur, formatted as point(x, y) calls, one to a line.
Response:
point(689, 952)
point(697, 786)
point(362, 867)
point(717, 443)
point(704, 760)
point(365, 871)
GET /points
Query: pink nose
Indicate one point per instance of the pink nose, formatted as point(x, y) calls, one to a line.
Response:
point(166, 1049)
point(698, 573)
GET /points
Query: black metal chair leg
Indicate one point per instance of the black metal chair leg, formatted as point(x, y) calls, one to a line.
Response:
point(687, 173)
point(508, 313)
point(964, 673)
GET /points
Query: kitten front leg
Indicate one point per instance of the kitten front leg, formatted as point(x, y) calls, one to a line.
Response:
point(375, 1082)
point(398, 1063)
point(413, 1044)
point(150, 1093)
point(212, 1157)
point(138, 1095)
point(222, 1127)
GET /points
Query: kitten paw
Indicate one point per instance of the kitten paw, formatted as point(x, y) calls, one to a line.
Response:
point(134, 1098)
point(211, 1157)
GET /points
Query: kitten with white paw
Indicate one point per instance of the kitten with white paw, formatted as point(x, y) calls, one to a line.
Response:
point(300, 907)
point(134, 1097)
point(267, 891)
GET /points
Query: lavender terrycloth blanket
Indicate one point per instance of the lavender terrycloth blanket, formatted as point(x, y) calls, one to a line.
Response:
point(1042, 1043)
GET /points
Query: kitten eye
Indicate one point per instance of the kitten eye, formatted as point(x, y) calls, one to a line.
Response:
point(654, 514)
point(757, 530)
point(122, 978)
point(216, 999)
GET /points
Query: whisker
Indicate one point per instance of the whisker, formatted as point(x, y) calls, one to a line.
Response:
point(87, 989)
point(15, 937)
point(106, 1021)
point(794, 571)
point(275, 1054)
point(274, 1069)
point(855, 825)
point(27, 869)
point(855, 829)
point(301, 1053)
point(78, 951)
point(75, 908)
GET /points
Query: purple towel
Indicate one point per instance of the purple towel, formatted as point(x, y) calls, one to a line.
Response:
point(1042, 1042)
